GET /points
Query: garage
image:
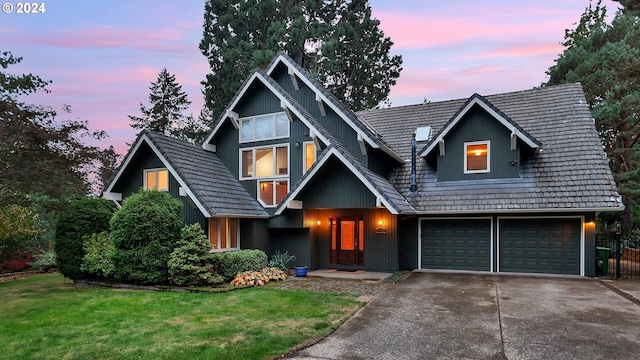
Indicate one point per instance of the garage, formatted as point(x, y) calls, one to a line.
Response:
point(455, 244)
point(542, 245)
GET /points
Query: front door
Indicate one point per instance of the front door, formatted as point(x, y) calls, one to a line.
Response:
point(347, 241)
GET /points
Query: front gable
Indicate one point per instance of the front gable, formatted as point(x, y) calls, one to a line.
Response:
point(477, 128)
point(132, 177)
point(336, 187)
point(479, 142)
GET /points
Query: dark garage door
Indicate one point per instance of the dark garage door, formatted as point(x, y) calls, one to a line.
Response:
point(456, 244)
point(549, 246)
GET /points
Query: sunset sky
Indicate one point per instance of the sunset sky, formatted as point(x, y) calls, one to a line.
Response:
point(103, 55)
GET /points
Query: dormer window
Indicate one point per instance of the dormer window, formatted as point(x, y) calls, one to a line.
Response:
point(156, 179)
point(476, 157)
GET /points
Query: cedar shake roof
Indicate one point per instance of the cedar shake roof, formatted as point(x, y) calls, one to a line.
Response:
point(219, 192)
point(571, 172)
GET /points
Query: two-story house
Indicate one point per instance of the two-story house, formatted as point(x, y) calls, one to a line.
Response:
point(502, 183)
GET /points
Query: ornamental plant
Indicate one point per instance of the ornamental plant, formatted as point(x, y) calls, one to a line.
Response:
point(189, 262)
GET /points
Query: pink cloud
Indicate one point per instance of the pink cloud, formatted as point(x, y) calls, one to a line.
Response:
point(547, 50)
point(480, 70)
point(106, 36)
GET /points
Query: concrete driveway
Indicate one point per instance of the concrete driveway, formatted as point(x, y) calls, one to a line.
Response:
point(467, 316)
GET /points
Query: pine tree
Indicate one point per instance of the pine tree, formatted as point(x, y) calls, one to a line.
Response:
point(605, 59)
point(166, 114)
point(337, 41)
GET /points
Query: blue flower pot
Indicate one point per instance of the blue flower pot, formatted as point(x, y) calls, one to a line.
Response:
point(301, 271)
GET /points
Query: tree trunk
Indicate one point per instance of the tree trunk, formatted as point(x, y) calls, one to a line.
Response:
point(626, 218)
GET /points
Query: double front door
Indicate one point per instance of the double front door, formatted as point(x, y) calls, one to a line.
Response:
point(347, 241)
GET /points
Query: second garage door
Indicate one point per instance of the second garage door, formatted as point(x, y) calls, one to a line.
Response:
point(456, 244)
point(549, 246)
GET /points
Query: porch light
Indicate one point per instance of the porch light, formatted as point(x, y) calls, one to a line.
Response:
point(380, 222)
point(318, 222)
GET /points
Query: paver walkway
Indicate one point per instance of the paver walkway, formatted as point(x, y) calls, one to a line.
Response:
point(364, 284)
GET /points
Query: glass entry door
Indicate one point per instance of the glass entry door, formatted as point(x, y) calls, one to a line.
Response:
point(347, 241)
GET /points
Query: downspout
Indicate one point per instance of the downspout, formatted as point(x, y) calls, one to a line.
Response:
point(414, 185)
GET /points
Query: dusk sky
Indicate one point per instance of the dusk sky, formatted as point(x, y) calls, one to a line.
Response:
point(103, 55)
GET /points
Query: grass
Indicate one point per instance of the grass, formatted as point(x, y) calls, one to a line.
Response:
point(397, 276)
point(44, 317)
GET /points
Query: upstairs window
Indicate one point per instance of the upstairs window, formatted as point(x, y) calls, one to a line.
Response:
point(264, 127)
point(264, 162)
point(309, 155)
point(271, 192)
point(476, 157)
point(157, 179)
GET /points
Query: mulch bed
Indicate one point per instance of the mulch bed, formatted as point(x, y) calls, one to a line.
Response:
point(20, 275)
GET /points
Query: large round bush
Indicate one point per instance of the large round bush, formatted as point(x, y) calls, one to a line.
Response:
point(81, 218)
point(145, 232)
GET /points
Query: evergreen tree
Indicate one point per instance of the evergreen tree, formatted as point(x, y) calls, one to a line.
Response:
point(605, 58)
point(337, 41)
point(39, 154)
point(166, 114)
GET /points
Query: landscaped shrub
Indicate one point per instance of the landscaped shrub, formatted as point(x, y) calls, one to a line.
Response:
point(145, 232)
point(98, 258)
point(44, 261)
point(231, 263)
point(258, 278)
point(18, 263)
point(81, 218)
point(281, 260)
point(189, 262)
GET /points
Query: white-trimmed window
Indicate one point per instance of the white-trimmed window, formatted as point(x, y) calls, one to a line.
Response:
point(263, 162)
point(309, 155)
point(476, 157)
point(224, 234)
point(271, 192)
point(157, 179)
point(264, 127)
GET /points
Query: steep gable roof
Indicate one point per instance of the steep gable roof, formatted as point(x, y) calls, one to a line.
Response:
point(570, 173)
point(201, 174)
point(477, 100)
point(360, 126)
point(380, 187)
point(286, 101)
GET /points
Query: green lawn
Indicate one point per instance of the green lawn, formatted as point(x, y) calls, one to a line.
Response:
point(44, 317)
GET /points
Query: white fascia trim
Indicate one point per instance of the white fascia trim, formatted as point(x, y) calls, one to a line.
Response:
point(175, 175)
point(283, 101)
point(125, 163)
point(310, 174)
point(231, 107)
point(239, 216)
point(134, 150)
point(492, 112)
point(320, 95)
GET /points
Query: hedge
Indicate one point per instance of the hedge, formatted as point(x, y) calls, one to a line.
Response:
point(231, 263)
